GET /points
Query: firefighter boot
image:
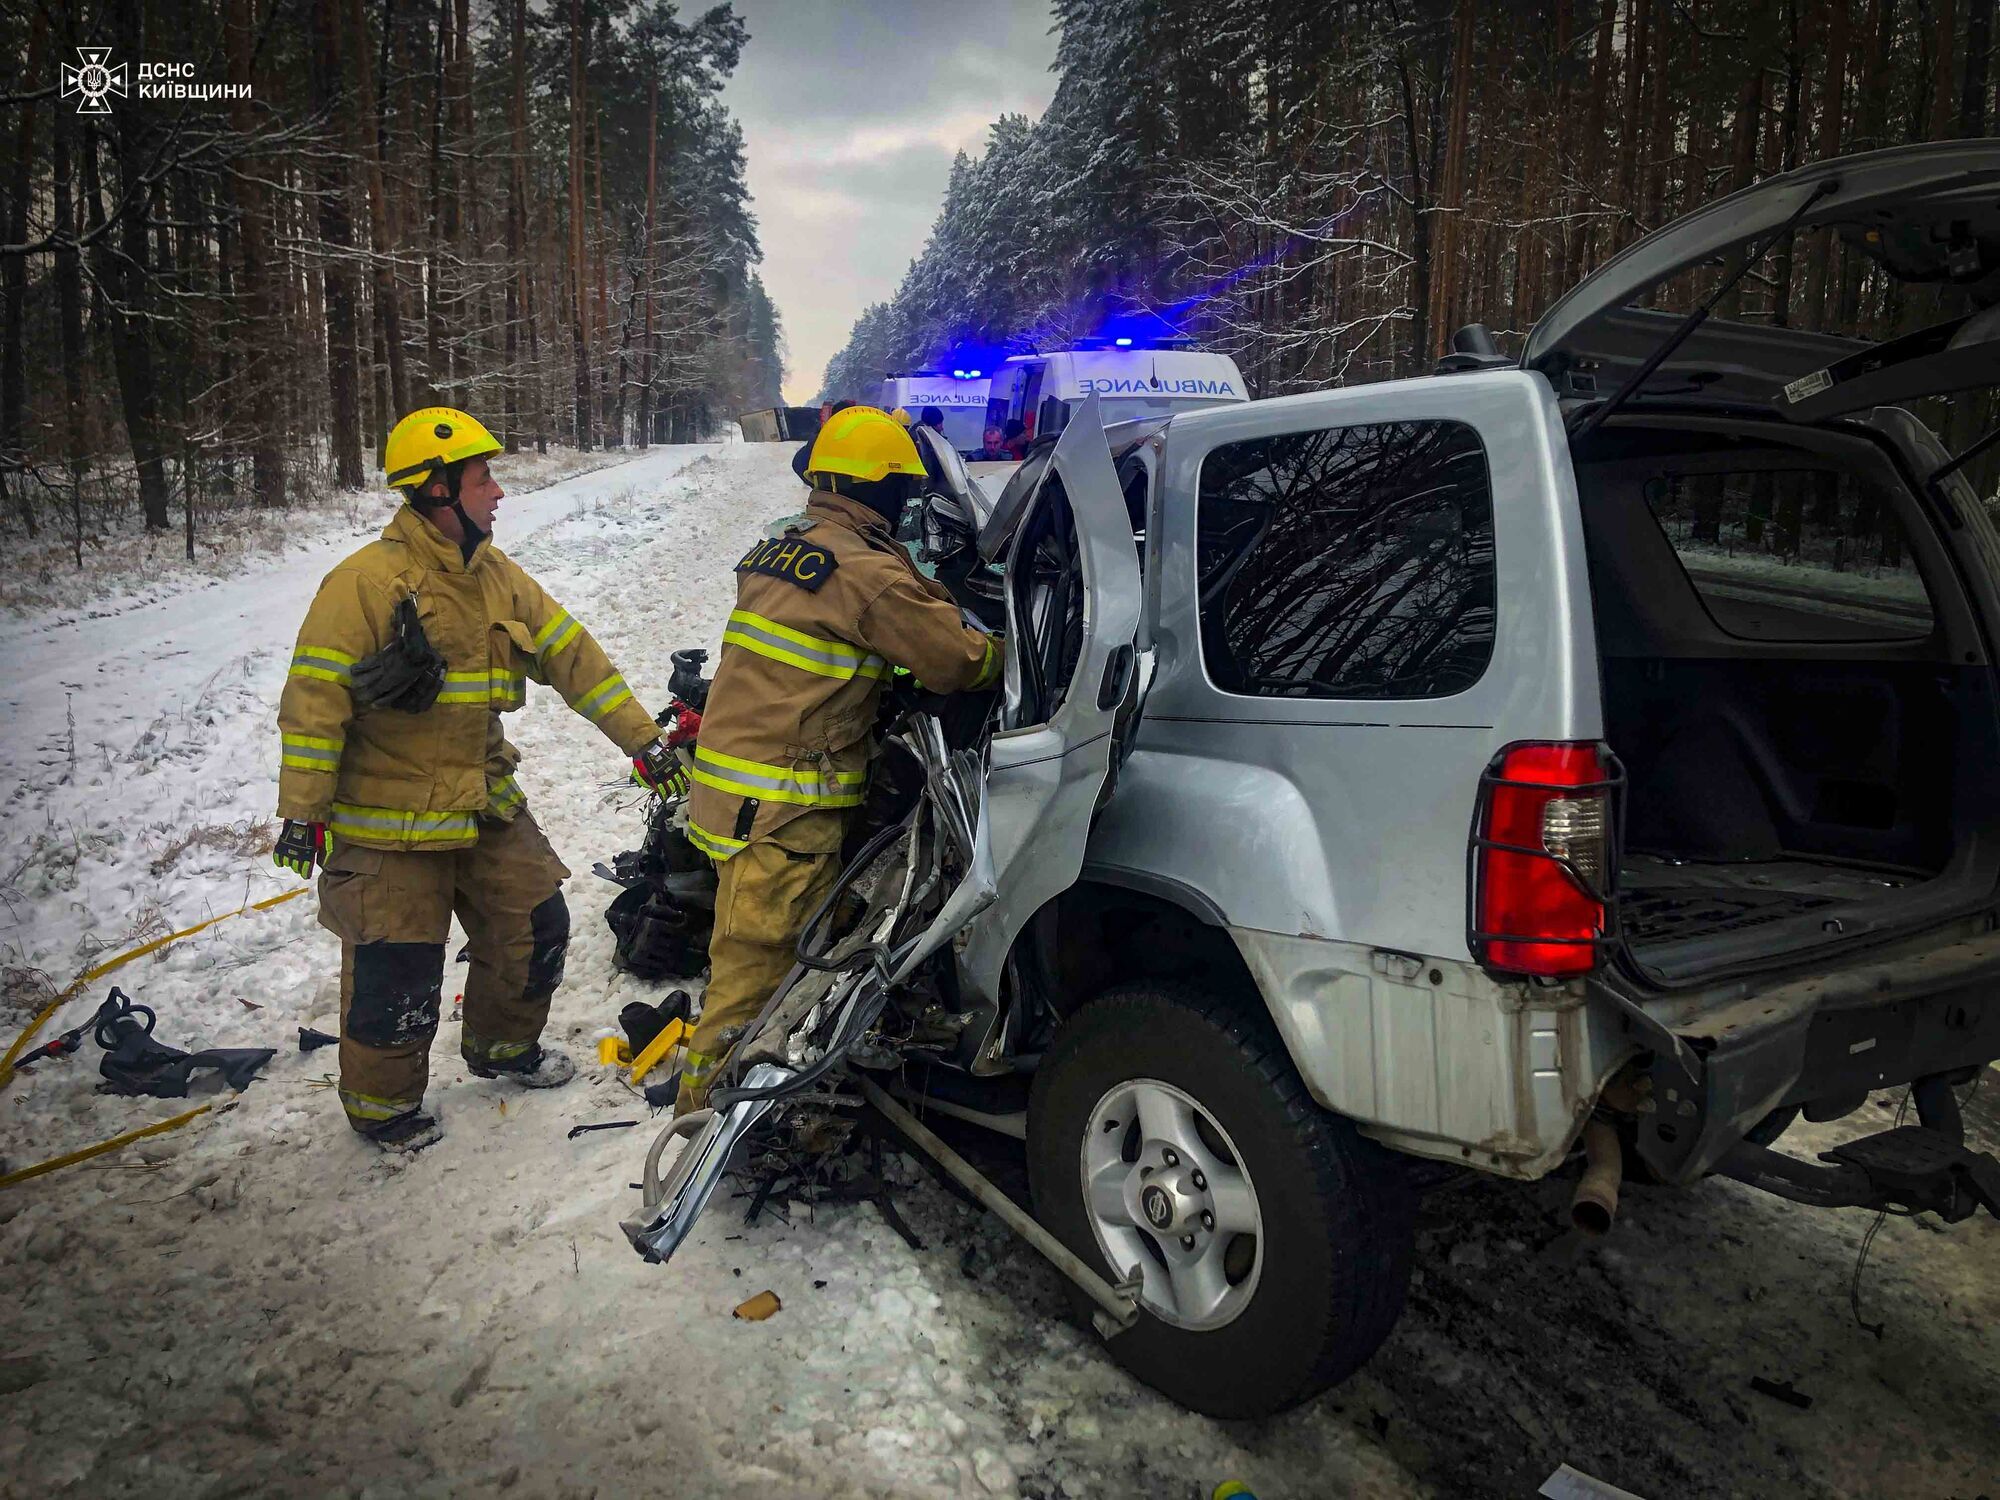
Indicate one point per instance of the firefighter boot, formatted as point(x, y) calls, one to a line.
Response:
point(408, 1134)
point(538, 1068)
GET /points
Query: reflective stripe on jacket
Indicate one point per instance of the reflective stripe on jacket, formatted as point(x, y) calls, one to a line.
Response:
point(396, 780)
point(804, 658)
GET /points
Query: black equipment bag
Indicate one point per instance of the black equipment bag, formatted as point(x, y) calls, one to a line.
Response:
point(662, 920)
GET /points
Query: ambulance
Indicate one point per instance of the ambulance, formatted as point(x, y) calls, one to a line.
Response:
point(960, 394)
point(1131, 380)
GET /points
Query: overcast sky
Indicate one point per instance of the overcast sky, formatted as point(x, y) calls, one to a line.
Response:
point(851, 112)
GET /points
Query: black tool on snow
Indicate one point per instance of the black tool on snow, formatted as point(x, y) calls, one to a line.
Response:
point(642, 1022)
point(61, 1046)
point(685, 682)
point(407, 674)
point(662, 919)
point(134, 1063)
point(577, 1130)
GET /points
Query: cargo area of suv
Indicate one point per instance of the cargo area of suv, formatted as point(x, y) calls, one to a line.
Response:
point(1787, 576)
point(1794, 684)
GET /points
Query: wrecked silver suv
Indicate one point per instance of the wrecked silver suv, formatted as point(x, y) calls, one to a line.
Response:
point(1594, 752)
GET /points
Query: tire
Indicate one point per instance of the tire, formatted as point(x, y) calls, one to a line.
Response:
point(1323, 1281)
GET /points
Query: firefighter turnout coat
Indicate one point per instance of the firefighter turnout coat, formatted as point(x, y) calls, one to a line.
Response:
point(823, 614)
point(386, 779)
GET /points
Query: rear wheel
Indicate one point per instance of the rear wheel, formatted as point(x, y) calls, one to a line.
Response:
point(1168, 1134)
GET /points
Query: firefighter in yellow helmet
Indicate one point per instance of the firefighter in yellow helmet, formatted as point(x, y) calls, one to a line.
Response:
point(395, 777)
point(824, 612)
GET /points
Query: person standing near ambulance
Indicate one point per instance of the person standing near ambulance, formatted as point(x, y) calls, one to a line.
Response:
point(824, 613)
point(394, 776)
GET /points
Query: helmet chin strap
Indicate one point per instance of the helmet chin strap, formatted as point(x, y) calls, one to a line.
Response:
point(885, 496)
point(474, 533)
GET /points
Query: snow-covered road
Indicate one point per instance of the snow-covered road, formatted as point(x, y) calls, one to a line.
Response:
point(290, 1305)
point(262, 1305)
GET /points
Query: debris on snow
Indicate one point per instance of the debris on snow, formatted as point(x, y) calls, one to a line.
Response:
point(1780, 1390)
point(577, 1130)
point(1573, 1484)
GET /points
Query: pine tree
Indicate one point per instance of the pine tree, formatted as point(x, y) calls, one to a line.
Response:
point(1325, 190)
point(240, 288)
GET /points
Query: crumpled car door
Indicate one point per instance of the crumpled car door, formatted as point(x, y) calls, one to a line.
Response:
point(949, 477)
point(1073, 600)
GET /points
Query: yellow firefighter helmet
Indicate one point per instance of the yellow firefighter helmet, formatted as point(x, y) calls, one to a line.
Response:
point(429, 439)
point(864, 442)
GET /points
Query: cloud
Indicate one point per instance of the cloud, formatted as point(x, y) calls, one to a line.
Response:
point(851, 116)
point(964, 131)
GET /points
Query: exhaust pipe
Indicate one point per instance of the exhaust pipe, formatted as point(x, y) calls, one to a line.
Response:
point(1595, 1203)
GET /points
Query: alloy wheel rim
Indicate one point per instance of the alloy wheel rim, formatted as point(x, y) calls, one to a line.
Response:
point(1167, 1197)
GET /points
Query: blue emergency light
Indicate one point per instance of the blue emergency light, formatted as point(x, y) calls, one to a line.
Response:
point(970, 360)
point(1131, 327)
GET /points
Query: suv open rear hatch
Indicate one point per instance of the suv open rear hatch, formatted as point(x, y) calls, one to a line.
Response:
point(1926, 213)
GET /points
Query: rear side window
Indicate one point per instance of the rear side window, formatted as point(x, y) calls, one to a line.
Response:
point(1349, 562)
point(1794, 554)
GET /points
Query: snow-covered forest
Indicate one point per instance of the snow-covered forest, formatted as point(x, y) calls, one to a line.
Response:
point(1325, 189)
point(533, 209)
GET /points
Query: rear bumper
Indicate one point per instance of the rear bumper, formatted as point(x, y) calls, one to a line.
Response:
point(1724, 1062)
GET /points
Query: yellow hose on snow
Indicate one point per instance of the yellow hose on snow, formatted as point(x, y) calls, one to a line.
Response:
point(71, 1158)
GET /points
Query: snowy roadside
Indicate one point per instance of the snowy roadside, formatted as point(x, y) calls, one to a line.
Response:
point(128, 567)
point(260, 1305)
point(129, 729)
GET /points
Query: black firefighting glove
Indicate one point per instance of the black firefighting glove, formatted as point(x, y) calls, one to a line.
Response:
point(301, 846)
point(407, 674)
point(659, 771)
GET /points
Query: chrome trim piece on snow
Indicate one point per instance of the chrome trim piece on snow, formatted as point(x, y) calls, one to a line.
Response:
point(670, 1209)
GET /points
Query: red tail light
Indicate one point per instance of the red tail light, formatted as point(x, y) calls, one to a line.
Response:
point(1542, 852)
